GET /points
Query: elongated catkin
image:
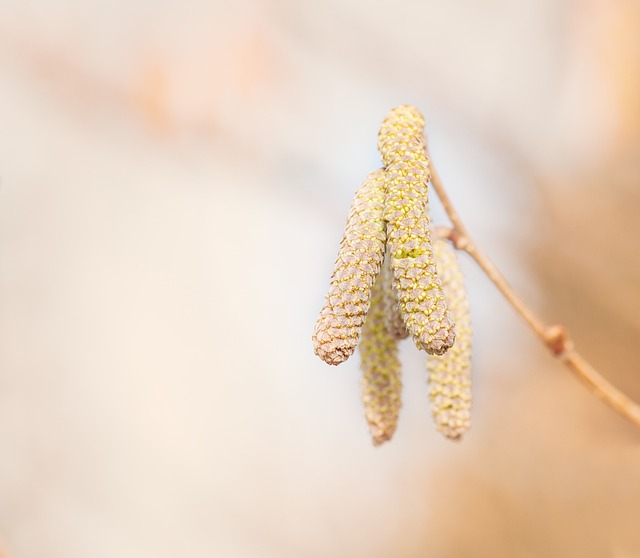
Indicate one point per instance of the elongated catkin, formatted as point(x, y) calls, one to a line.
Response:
point(381, 379)
point(359, 259)
point(415, 280)
point(450, 374)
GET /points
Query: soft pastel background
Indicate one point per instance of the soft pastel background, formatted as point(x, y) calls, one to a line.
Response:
point(174, 177)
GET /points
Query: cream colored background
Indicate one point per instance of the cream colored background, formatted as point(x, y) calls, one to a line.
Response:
point(174, 179)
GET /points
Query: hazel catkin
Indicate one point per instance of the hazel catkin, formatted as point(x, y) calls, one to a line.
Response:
point(450, 374)
point(359, 259)
point(415, 280)
point(381, 379)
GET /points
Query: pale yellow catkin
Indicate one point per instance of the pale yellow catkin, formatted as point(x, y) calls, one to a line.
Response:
point(450, 374)
point(415, 280)
point(381, 377)
point(358, 264)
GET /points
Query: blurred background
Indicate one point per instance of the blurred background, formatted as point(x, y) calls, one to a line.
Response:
point(174, 178)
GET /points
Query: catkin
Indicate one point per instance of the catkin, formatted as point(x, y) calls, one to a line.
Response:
point(359, 259)
point(450, 374)
point(381, 380)
point(420, 297)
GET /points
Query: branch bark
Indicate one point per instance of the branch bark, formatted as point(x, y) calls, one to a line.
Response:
point(555, 337)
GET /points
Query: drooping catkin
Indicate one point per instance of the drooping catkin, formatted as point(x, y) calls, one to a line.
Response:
point(421, 300)
point(359, 259)
point(381, 379)
point(393, 317)
point(450, 374)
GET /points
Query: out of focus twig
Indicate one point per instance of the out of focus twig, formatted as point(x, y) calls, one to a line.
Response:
point(555, 337)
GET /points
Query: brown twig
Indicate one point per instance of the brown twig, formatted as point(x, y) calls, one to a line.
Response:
point(555, 337)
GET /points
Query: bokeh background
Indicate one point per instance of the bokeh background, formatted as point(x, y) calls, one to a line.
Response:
point(174, 177)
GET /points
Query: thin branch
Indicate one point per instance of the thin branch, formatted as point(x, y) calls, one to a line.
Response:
point(555, 337)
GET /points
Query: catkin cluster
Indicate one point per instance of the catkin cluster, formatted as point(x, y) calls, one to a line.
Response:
point(416, 292)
